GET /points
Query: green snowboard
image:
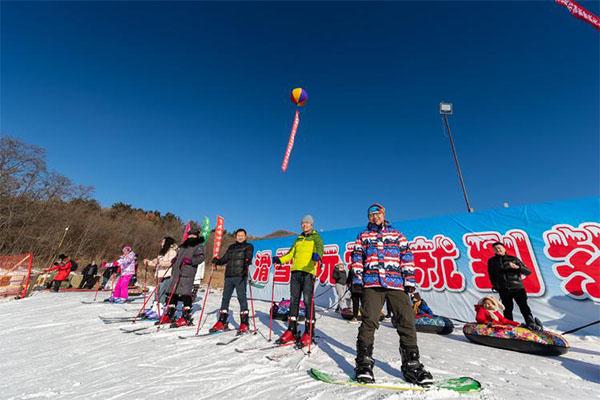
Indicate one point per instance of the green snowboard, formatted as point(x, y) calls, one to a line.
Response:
point(462, 384)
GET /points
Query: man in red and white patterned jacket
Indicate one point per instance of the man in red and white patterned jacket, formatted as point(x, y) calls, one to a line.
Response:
point(384, 265)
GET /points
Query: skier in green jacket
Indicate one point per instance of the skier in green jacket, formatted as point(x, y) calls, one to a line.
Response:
point(305, 254)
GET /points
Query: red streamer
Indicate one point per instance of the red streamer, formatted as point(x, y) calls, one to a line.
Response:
point(580, 12)
point(290, 145)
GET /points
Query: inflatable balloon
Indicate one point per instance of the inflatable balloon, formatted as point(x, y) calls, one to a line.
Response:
point(299, 96)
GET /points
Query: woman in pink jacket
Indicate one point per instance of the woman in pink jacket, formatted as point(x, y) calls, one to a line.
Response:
point(126, 264)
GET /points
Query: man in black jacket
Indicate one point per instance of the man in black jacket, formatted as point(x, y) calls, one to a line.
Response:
point(505, 275)
point(237, 258)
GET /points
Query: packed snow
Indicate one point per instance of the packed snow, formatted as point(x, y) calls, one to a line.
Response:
point(55, 347)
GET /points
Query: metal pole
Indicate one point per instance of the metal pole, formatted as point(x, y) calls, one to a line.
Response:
point(460, 177)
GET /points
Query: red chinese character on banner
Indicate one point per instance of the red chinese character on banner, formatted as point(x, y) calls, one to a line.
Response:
point(435, 264)
point(282, 272)
point(517, 243)
point(331, 257)
point(262, 264)
point(577, 251)
point(348, 252)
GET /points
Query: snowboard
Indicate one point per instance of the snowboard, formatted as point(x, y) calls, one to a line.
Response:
point(461, 384)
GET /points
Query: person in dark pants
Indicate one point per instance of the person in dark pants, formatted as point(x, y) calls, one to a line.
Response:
point(355, 295)
point(505, 272)
point(89, 275)
point(189, 255)
point(237, 259)
point(305, 253)
point(384, 265)
point(110, 269)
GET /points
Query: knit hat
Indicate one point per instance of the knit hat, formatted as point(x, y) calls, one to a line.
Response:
point(375, 208)
point(497, 303)
point(308, 218)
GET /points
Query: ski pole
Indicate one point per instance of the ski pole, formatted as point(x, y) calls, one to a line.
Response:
point(204, 301)
point(252, 305)
point(169, 300)
point(312, 314)
point(156, 295)
point(581, 327)
point(145, 281)
point(145, 302)
point(272, 299)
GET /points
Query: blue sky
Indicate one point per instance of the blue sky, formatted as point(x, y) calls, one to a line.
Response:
point(184, 107)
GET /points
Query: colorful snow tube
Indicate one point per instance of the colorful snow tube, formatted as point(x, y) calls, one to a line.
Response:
point(434, 324)
point(515, 338)
point(281, 310)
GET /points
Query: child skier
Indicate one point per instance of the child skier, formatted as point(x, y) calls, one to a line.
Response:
point(189, 255)
point(162, 263)
point(305, 253)
point(126, 269)
point(237, 258)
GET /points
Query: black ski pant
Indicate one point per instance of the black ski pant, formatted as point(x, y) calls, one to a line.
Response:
point(520, 297)
point(355, 303)
point(301, 283)
point(239, 284)
point(402, 314)
point(186, 299)
point(87, 282)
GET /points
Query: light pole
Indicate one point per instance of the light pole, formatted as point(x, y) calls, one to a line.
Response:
point(445, 110)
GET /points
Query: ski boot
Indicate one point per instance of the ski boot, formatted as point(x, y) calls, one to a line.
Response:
point(412, 369)
point(244, 326)
point(363, 373)
point(185, 319)
point(290, 334)
point(167, 317)
point(307, 337)
point(221, 324)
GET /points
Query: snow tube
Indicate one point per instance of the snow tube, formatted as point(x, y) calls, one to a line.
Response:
point(515, 338)
point(434, 324)
point(281, 310)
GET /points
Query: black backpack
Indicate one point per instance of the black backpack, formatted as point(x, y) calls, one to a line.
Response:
point(74, 266)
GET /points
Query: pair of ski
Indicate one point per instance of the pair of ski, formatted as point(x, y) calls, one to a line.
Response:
point(117, 320)
point(237, 336)
point(463, 384)
point(275, 356)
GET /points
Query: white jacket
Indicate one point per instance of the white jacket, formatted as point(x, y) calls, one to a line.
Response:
point(163, 263)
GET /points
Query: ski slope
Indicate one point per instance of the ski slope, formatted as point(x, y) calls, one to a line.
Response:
point(55, 347)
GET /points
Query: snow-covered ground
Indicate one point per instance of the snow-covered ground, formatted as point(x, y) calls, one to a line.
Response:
point(53, 346)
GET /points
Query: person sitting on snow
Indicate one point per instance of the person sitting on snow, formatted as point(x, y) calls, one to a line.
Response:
point(488, 312)
point(63, 266)
point(420, 307)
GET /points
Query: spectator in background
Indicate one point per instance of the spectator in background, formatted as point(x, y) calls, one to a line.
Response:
point(109, 270)
point(89, 274)
point(63, 266)
point(341, 278)
point(506, 275)
point(355, 295)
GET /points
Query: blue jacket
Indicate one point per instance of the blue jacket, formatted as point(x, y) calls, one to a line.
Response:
point(382, 258)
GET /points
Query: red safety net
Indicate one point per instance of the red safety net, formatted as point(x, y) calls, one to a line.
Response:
point(15, 272)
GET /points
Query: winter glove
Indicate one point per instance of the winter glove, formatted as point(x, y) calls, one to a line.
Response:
point(276, 260)
point(315, 257)
point(187, 261)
